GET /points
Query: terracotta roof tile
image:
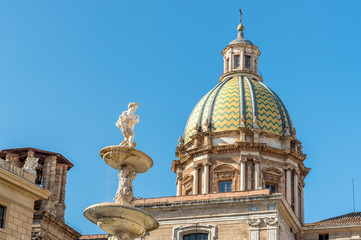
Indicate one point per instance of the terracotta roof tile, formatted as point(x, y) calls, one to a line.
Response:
point(353, 218)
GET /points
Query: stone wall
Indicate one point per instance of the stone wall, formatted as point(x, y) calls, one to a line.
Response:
point(18, 192)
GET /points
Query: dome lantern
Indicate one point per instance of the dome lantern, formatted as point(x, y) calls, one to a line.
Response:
point(241, 55)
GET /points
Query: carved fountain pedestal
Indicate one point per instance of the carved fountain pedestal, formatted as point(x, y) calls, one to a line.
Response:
point(121, 219)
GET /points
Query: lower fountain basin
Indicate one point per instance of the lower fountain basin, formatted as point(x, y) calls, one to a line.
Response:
point(117, 156)
point(117, 219)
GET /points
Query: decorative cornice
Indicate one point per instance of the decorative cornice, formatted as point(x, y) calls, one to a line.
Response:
point(236, 147)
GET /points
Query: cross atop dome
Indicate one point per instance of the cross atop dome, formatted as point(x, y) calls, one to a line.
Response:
point(240, 27)
point(241, 55)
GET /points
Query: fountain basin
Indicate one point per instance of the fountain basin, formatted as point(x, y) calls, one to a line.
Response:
point(117, 156)
point(116, 219)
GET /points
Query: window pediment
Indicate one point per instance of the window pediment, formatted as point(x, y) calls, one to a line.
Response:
point(272, 174)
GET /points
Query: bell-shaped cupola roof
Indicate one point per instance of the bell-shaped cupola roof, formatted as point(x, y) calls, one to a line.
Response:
point(241, 55)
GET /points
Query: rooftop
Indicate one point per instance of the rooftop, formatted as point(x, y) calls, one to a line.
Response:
point(353, 218)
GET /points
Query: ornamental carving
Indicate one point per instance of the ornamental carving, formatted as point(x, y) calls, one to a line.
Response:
point(223, 175)
point(254, 222)
point(272, 174)
point(271, 220)
point(224, 172)
point(272, 178)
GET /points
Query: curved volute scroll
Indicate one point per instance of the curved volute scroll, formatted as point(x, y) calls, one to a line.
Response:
point(241, 55)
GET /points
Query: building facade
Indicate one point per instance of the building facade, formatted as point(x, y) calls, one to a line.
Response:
point(240, 167)
point(32, 195)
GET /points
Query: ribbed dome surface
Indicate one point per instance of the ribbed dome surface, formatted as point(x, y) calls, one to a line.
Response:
point(235, 99)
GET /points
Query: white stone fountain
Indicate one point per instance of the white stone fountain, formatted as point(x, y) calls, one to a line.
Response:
point(121, 219)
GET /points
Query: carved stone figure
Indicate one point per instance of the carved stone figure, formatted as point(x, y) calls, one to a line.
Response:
point(206, 125)
point(243, 122)
point(31, 163)
point(125, 189)
point(180, 142)
point(126, 123)
point(255, 123)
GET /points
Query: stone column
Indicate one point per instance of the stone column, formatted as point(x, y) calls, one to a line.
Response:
point(179, 186)
point(58, 180)
point(288, 185)
point(231, 61)
point(242, 177)
point(242, 59)
point(272, 228)
point(49, 171)
point(252, 62)
point(179, 181)
point(302, 204)
point(195, 179)
point(206, 177)
point(295, 194)
point(60, 209)
point(256, 173)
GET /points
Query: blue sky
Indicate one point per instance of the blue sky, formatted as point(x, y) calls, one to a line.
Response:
point(69, 68)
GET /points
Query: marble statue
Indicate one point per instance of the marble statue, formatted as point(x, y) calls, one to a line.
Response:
point(125, 189)
point(126, 123)
point(31, 163)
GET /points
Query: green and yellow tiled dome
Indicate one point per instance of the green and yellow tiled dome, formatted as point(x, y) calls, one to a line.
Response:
point(239, 99)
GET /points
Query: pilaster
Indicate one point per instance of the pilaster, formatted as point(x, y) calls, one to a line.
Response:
point(242, 178)
point(254, 224)
point(295, 194)
point(288, 184)
point(206, 177)
point(195, 179)
point(179, 181)
point(272, 228)
point(49, 172)
point(256, 173)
